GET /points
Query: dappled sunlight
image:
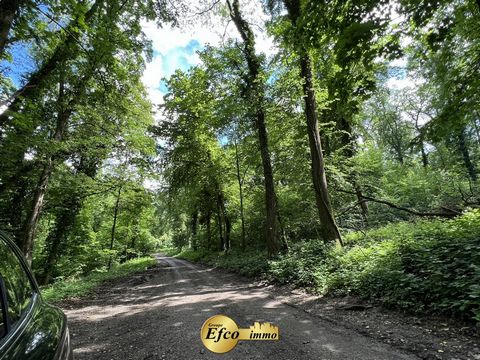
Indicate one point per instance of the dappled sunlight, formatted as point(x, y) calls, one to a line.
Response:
point(174, 303)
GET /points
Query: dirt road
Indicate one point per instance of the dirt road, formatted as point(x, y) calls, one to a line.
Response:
point(158, 315)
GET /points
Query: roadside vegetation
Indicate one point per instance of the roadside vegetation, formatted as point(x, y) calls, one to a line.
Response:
point(421, 267)
point(83, 285)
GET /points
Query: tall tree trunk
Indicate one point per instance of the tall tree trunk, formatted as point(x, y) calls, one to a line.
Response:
point(64, 224)
point(208, 217)
point(66, 220)
point(221, 240)
point(462, 146)
point(257, 98)
point(240, 188)
point(424, 154)
point(421, 138)
point(16, 209)
point(228, 229)
point(114, 226)
point(348, 145)
point(224, 219)
point(194, 223)
point(8, 10)
point(30, 225)
point(329, 229)
point(31, 222)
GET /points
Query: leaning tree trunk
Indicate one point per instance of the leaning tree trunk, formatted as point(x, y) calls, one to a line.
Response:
point(240, 188)
point(462, 146)
point(67, 49)
point(114, 226)
point(257, 98)
point(8, 10)
point(329, 229)
point(29, 228)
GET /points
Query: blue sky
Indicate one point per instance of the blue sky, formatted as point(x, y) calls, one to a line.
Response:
point(21, 65)
point(180, 57)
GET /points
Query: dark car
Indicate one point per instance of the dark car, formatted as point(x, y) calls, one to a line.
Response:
point(30, 329)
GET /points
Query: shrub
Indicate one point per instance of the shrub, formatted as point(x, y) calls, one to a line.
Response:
point(426, 266)
point(423, 266)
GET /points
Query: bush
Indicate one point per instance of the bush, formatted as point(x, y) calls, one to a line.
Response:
point(77, 287)
point(423, 266)
point(300, 265)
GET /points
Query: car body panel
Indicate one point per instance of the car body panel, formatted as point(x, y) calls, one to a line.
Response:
point(42, 333)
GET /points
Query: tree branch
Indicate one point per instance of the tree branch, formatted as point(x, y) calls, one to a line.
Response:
point(448, 213)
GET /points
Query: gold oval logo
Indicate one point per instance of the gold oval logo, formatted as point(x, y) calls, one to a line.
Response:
point(220, 334)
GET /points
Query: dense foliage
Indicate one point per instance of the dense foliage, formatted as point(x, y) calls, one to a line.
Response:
point(424, 266)
point(345, 161)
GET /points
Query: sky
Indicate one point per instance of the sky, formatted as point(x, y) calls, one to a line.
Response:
point(177, 48)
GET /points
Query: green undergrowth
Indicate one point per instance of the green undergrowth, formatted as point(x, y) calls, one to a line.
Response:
point(248, 263)
point(425, 266)
point(81, 286)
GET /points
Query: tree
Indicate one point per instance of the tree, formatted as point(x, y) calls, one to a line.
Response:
point(330, 230)
point(256, 94)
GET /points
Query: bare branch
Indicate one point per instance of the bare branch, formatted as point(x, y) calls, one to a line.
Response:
point(448, 213)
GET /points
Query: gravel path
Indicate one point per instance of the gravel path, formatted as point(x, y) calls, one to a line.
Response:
point(158, 315)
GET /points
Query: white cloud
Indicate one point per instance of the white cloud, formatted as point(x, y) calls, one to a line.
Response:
point(152, 72)
point(399, 84)
point(172, 46)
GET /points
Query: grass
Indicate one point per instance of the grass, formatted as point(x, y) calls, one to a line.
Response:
point(79, 287)
point(250, 263)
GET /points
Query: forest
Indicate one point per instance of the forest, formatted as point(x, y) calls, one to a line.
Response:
point(309, 166)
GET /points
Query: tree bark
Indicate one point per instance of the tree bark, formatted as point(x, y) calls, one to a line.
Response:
point(8, 11)
point(421, 139)
point(329, 229)
point(462, 146)
point(348, 146)
point(114, 226)
point(64, 224)
point(240, 188)
point(30, 226)
point(257, 98)
point(209, 231)
point(16, 209)
point(224, 219)
point(194, 222)
point(221, 240)
point(65, 221)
